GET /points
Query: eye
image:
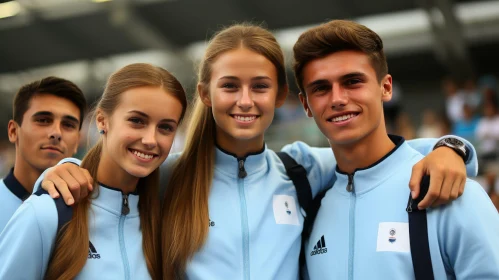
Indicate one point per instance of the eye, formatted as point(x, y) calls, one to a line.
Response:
point(69, 124)
point(261, 86)
point(167, 128)
point(231, 87)
point(43, 120)
point(351, 82)
point(320, 88)
point(135, 120)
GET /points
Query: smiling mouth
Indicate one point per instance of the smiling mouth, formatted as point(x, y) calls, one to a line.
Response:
point(242, 118)
point(142, 155)
point(343, 117)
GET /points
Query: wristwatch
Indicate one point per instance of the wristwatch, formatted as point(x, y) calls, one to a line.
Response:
point(457, 145)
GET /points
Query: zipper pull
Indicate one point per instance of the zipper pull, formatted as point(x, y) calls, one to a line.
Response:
point(350, 183)
point(409, 205)
point(242, 172)
point(124, 208)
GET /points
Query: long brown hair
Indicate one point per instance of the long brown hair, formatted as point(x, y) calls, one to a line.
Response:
point(185, 209)
point(70, 253)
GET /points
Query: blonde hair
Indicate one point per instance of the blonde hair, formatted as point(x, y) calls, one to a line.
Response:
point(185, 209)
point(71, 250)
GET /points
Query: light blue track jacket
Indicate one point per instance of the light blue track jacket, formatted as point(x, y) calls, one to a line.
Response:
point(12, 195)
point(255, 222)
point(364, 233)
point(115, 238)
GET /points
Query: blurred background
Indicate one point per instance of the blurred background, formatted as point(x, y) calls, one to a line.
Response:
point(442, 55)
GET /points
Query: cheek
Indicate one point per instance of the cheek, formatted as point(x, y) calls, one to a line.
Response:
point(316, 105)
point(123, 137)
point(166, 142)
point(223, 100)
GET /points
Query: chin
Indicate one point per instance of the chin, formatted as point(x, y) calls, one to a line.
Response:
point(140, 172)
point(246, 136)
point(343, 138)
point(50, 163)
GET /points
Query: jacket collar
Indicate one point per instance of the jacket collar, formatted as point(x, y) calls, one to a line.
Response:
point(112, 199)
point(229, 163)
point(366, 179)
point(15, 186)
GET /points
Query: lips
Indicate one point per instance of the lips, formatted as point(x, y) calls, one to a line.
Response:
point(244, 118)
point(52, 148)
point(142, 154)
point(342, 117)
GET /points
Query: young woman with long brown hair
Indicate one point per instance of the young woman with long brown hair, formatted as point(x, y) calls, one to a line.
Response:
point(230, 211)
point(113, 233)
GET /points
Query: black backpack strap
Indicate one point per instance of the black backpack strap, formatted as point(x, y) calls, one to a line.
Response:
point(64, 212)
point(418, 235)
point(298, 175)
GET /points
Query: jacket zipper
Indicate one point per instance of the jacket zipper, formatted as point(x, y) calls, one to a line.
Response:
point(125, 209)
point(244, 218)
point(351, 190)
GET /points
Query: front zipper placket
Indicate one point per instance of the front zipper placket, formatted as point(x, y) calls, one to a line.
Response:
point(244, 217)
point(125, 209)
point(351, 189)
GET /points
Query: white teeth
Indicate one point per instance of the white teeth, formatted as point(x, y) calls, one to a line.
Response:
point(141, 155)
point(244, 119)
point(342, 118)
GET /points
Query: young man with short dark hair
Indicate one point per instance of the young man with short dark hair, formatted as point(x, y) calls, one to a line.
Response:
point(361, 230)
point(47, 119)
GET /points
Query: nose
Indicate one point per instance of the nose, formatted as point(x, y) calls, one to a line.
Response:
point(149, 137)
point(339, 97)
point(245, 100)
point(55, 132)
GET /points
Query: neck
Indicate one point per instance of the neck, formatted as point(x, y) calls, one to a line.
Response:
point(26, 174)
point(363, 152)
point(239, 147)
point(114, 176)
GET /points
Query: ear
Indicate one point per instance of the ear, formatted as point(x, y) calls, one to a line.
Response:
point(101, 120)
point(304, 102)
point(281, 96)
point(204, 94)
point(387, 87)
point(12, 128)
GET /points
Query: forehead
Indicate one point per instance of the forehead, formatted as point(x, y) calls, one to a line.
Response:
point(153, 101)
point(243, 62)
point(54, 104)
point(336, 65)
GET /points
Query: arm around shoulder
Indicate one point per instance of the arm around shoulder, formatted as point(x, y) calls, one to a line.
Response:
point(426, 145)
point(319, 163)
point(38, 182)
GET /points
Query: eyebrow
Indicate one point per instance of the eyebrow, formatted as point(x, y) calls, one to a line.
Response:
point(147, 116)
point(50, 114)
point(253, 79)
point(342, 78)
point(353, 75)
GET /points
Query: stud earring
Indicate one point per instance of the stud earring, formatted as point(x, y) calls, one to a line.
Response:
point(102, 131)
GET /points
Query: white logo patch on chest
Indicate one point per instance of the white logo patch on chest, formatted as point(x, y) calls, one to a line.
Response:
point(285, 210)
point(393, 237)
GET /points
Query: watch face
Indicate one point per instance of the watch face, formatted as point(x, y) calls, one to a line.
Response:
point(454, 141)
